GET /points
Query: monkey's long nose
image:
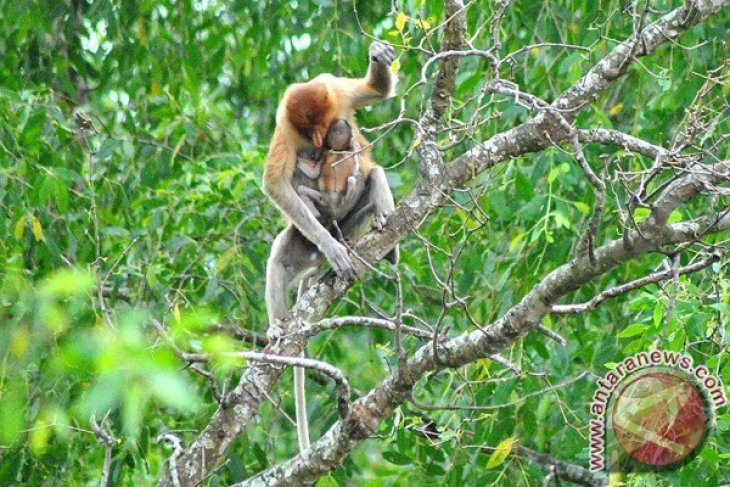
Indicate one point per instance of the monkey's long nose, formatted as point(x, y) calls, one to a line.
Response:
point(318, 136)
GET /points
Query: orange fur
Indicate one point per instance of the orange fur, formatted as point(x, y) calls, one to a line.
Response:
point(333, 178)
point(311, 108)
point(305, 113)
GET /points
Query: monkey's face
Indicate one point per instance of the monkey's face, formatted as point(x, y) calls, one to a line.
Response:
point(311, 108)
point(323, 124)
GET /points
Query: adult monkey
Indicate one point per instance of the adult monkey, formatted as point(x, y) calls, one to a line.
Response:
point(303, 118)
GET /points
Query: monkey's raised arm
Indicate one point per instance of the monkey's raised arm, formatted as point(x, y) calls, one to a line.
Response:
point(378, 84)
point(278, 171)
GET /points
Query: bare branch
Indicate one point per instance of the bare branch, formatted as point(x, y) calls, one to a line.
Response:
point(635, 284)
point(510, 404)
point(620, 139)
point(587, 243)
point(551, 334)
point(312, 329)
point(453, 40)
point(342, 386)
point(105, 437)
point(177, 451)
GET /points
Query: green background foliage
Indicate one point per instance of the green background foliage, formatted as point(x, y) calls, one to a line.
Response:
point(132, 139)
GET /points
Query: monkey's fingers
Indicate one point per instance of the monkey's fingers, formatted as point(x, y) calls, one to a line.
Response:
point(379, 221)
point(314, 210)
point(382, 53)
point(341, 263)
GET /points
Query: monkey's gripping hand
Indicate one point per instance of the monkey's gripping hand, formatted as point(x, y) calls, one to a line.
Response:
point(339, 258)
point(382, 53)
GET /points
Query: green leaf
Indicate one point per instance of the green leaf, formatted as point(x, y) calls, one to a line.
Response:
point(632, 330)
point(173, 390)
point(582, 207)
point(328, 481)
point(68, 282)
point(19, 228)
point(641, 214)
point(553, 174)
point(658, 315)
point(397, 458)
point(525, 190)
point(37, 228)
point(561, 220)
point(12, 413)
point(675, 217)
point(516, 240)
point(501, 453)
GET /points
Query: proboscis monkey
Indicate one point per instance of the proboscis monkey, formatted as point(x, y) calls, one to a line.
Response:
point(303, 119)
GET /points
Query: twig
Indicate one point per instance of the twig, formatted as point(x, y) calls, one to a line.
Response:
point(492, 407)
point(177, 451)
point(587, 243)
point(630, 286)
point(342, 386)
point(105, 437)
point(551, 334)
point(311, 329)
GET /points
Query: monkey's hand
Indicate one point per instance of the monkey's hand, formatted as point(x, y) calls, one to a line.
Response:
point(311, 169)
point(339, 257)
point(311, 196)
point(382, 53)
point(381, 218)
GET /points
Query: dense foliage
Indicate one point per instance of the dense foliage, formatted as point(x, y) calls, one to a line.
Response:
point(132, 139)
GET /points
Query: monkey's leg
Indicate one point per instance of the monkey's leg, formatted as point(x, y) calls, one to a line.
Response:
point(377, 200)
point(383, 206)
point(292, 256)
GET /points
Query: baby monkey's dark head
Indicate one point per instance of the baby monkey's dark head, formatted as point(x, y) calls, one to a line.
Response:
point(339, 136)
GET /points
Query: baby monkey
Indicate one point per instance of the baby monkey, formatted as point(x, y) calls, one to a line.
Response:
point(336, 170)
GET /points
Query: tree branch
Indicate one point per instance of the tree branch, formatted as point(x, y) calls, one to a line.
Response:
point(568, 471)
point(635, 284)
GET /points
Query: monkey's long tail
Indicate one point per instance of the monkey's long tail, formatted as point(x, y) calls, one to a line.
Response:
point(300, 403)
